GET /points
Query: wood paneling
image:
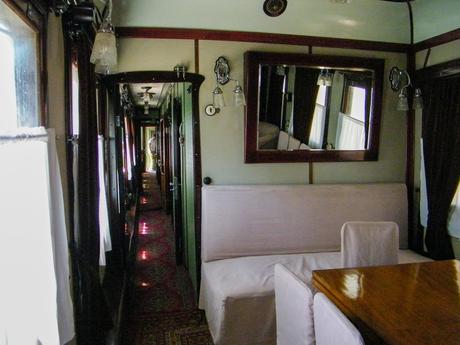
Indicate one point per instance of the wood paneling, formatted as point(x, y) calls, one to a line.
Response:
point(437, 40)
point(259, 37)
point(438, 71)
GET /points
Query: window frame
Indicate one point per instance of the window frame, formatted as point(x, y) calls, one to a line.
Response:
point(34, 14)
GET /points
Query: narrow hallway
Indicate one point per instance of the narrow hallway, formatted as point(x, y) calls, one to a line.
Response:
point(162, 309)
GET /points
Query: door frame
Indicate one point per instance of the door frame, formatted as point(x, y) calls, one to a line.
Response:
point(173, 77)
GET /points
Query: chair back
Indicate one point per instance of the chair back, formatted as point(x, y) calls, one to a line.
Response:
point(369, 244)
point(294, 309)
point(332, 327)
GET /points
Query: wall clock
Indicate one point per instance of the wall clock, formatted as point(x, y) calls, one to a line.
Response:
point(274, 8)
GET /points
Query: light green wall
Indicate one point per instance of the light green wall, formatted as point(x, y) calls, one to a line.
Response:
point(222, 136)
point(362, 19)
point(434, 17)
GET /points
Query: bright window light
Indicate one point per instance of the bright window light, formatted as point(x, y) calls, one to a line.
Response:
point(357, 99)
point(8, 120)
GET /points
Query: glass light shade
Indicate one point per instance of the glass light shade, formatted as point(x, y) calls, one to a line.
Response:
point(238, 96)
point(103, 69)
point(218, 98)
point(105, 47)
point(321, 78)
point(418, 100)
point(328, 79)
point(403, 105)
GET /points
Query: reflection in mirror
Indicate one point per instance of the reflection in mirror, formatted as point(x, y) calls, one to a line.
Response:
point(313, 108)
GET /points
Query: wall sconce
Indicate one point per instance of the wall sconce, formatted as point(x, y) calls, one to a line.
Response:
point(104, 53)
point(399, 82)
point(222, 71)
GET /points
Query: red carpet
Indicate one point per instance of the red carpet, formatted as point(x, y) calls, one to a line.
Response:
point(162, 309)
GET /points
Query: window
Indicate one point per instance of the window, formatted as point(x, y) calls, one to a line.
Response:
point(19, 71)
point(352, 125)
point(32, 219)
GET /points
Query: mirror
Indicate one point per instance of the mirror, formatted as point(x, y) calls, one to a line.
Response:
point(312, 107)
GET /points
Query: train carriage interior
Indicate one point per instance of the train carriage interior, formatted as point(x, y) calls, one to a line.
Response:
point(249, 172)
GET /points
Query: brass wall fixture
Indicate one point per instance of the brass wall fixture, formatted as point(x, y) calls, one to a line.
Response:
point(222, 71)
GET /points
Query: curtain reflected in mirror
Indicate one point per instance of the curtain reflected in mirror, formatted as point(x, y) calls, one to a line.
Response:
point(314, 108)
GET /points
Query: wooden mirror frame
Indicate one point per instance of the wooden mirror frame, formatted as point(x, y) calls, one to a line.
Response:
point(252, 61)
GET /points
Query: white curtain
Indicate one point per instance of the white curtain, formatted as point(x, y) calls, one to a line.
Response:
point(453, 222)
point(350, 133)
point(35, 302)
point(315, 140)
point(423, 197)
point(76, 211)
point(105, 241)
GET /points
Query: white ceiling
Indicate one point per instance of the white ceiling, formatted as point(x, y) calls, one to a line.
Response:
point(361, 19)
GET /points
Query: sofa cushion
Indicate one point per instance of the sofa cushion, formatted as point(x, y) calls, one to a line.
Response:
point(261, 220)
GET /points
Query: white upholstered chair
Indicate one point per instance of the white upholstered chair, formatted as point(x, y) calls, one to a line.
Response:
point(293, 144)
point(283, 141)
point(332, 327)
point(369, 244)
point(294, 309)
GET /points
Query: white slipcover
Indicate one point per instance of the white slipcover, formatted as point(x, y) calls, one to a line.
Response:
point(261, 220)
point(331, 326)
point(238, 294)
point(294, 309)
point(283, 140)
point(246, 230)
point(294, 144)
point(369, 244)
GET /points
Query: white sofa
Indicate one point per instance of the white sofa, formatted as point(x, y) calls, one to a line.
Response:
point(246, 230)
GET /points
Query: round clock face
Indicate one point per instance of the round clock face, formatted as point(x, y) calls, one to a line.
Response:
point(274, 8)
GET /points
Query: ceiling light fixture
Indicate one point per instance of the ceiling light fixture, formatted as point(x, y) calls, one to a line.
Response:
point(146, 97)
point(104, 54)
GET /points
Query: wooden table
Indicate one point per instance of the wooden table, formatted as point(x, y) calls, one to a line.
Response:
point(414, 304)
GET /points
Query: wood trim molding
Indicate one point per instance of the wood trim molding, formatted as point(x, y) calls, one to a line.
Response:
point(259, 37)
point(437, 40)
point(441, 70)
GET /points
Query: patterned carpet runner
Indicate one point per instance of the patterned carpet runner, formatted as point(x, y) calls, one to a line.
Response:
point(162, 308)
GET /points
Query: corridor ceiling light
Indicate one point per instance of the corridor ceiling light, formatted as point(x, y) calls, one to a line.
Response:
point(104, 54)
point(341, 1)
